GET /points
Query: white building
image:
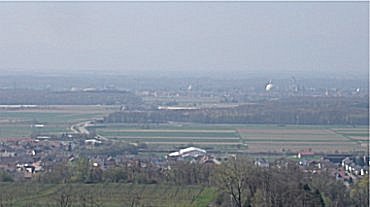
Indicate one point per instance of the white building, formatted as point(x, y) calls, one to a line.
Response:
point(92, 141)
point(188, 152)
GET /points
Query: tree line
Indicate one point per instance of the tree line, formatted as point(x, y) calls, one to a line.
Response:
point(45, 97)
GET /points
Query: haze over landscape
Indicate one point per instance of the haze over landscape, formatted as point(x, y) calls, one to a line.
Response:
point(293, 38)
point(184, 104)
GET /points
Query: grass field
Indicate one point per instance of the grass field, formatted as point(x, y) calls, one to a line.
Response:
point(17, 123)
point(258, 138)
point(354, 134)
point(110, 195)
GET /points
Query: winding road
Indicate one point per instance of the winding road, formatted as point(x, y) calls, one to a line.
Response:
point(81, 128)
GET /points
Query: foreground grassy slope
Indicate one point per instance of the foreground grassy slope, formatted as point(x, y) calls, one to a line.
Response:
point(112, 195)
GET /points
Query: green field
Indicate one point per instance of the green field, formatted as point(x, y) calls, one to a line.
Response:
point(17, 123)
point(169, 134)
point(257, 138)
point(110, 195)
point(354, 134)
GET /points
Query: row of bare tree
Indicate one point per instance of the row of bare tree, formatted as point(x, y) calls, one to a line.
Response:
point(239, 182)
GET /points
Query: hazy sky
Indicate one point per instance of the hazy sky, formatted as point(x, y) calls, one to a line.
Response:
point(193, 37)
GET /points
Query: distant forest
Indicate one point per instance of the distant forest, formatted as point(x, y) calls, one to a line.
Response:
point(42, 97)
point(294, 110)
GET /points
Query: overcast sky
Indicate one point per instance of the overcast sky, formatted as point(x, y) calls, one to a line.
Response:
point(192, 37)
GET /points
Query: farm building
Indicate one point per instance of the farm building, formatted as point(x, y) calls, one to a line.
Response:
point(188, 152)
point(92, 141)
point(305, 154)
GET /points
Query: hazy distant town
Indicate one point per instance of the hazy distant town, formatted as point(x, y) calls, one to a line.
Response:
point(184, 104)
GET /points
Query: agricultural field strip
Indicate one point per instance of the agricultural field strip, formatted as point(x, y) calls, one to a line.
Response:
point(351, 129)
point(314, 136)
point(263, 148)
point(167, 134)
point(187, 126)
point(25, 130)
point(14, 131)
point(352, 138)
point(301, 143)
point(285, 131)
point(184, 140)
point(297, 140)
point(296, 136)
point(174, 126)
point(29, 126)
point(359, 138)
point(168, 130)
point(198, 143)
point(221, 139)
point(295, 148)
point(355, 134)
point(319, 136)
point(172, 137)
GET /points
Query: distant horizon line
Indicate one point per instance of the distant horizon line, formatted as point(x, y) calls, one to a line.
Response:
point(188, 74)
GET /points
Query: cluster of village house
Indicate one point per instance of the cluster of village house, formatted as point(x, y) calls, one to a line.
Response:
point(347, 168)
point(29, 157)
